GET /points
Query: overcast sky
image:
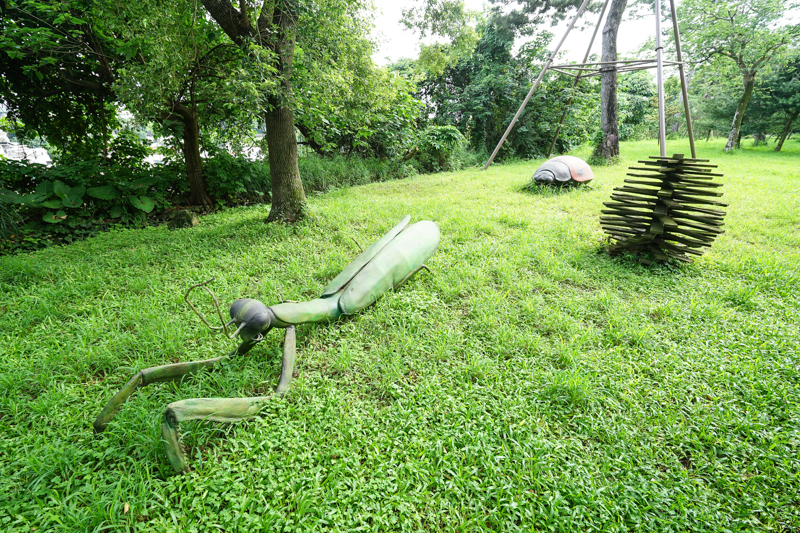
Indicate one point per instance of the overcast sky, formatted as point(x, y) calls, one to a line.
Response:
point(398, 42)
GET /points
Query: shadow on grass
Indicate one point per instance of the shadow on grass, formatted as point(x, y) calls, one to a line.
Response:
point(536, 189)
point(631, 264)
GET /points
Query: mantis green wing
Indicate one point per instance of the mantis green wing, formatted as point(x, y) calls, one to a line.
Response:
point(397, 261)
point(363, 259)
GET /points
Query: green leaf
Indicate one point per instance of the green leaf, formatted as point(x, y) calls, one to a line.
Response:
point(52, 204)
point(74, 196)
point(54, 218)
point(44, 191)
point(11, 197)
point(116, 211)
point(31, 200)
point(106, 192)
point(60, 188)
point(145, 203)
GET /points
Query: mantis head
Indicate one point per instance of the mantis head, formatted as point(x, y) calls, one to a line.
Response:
point(252, 318)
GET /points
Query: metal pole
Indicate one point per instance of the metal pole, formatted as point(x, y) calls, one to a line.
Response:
point(535, 85)
point(684, 85)
point(662, 127)
point(577, 79)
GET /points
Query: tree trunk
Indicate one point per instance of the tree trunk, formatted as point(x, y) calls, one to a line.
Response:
point(733, 137)
point(198, 190)
point(609, 121)
point(787, 126)
point(198, 193)
point(275, 29)
point(288, 196)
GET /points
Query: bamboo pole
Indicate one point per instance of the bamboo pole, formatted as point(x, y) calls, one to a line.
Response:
point(662, 128)
point(568, 65)
point(535, 85)
point(684, 85)
point(619, 71)
point(577, 79)
point(640, 63)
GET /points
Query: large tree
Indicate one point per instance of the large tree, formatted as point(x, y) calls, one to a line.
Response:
point(779, 97)
point(67, 65)
point(746, 33)
point(786, 95)
point(178, 69)
point(269, 31)
point(55, 79)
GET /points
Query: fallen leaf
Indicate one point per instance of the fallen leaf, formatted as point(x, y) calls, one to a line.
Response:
point(125, 508)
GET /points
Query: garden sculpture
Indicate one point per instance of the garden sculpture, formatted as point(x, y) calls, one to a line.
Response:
point(665, 212)
point(563, 170)
point(385, 265)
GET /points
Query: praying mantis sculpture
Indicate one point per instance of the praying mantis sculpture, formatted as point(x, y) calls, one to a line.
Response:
point(385, 265)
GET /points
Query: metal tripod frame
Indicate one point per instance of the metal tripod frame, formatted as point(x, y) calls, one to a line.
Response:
point(586, 70)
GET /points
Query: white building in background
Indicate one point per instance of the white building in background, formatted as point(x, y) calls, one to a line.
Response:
point(20, 152)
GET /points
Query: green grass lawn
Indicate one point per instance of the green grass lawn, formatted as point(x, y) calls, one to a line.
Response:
point(530, 383)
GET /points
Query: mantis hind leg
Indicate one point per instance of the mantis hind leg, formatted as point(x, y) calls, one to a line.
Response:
point(158, 374)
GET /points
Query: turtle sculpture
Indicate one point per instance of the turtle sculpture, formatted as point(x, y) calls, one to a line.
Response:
point(563, 170)
point(385, 265)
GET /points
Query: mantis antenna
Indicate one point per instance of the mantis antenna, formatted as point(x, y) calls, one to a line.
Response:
point(203, 284)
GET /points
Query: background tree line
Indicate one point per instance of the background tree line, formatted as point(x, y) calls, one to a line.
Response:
point(208, 76)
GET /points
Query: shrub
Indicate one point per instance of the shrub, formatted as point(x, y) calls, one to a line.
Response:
point(440, 148)
point(67, 202)
point(235, 179)
point(326, 173)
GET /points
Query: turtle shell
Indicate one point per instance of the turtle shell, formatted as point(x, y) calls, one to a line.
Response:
point(563, 170)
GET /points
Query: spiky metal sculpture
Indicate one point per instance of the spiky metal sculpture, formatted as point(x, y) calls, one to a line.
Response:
point(665, 209)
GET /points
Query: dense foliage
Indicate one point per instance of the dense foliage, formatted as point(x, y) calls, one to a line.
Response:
point(56, 76)
point(480, 94)
point(745, 37)
point(68, 66)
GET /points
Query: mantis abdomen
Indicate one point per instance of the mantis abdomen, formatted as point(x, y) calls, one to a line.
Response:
point(391, 265)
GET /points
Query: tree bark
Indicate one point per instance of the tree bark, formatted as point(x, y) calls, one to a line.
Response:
point(733, 136)
point(288, 196)
point(609, 119)
point(198, 192)
point(787, 126)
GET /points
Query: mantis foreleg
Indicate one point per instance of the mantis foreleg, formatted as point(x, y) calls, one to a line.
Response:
point(287, 365)
point(213, 409)
point(158, 374)
point(220, 409)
